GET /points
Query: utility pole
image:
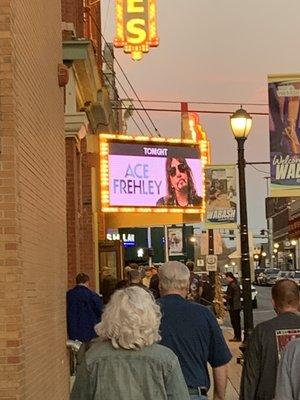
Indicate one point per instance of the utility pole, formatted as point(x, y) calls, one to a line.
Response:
point(212, 274)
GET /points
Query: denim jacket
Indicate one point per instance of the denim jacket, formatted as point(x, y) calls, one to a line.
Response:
point(118, 374)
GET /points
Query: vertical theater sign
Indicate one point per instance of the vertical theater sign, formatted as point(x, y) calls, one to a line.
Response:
point(136, 27)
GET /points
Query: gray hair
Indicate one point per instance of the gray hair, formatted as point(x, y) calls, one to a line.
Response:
point(131, 319)
point(173, 275)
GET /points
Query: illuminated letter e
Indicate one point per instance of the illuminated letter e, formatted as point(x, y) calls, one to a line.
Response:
point(132, 8)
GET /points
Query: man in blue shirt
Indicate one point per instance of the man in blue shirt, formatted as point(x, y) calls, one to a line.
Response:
point(192, 332)
point(84, 309)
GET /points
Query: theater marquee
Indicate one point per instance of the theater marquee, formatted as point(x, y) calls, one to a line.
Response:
point(136, 28)
point(159, 175)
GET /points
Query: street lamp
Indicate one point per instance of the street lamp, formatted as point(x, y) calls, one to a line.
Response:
point(275, 251)
point(241, 123)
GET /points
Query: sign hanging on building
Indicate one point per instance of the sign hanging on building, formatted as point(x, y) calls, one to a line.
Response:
point(284, 128)
point(141, 174)
point(221, 196)
point(136, 26)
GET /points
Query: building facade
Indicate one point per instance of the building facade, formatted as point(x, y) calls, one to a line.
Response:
point(88, 112)
point(33, 257)
point(284, 234)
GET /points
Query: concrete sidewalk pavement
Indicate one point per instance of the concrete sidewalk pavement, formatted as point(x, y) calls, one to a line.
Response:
point(234, 370)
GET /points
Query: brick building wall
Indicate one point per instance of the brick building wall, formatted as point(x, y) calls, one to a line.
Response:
point(33, 268)
point(86, 232)
point(72, 11)
point(74, 206)
point(85, 15)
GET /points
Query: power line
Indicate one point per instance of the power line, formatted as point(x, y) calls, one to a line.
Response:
point(125, 108)
point(259, 170)
point(195, 111)
point(204, 102)
point(132, 88)
point(135, 109)
point(118, 98)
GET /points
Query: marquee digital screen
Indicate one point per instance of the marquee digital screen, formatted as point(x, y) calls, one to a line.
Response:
point(158, 175)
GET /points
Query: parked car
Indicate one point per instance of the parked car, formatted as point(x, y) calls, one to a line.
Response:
point(268, 277)
point(257, 272)
point(284, 275)
point(296, 277)
point(253, 294)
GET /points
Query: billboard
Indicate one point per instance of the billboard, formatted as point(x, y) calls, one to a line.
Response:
point(141, 174)
point(284, 127)
point(221, 196)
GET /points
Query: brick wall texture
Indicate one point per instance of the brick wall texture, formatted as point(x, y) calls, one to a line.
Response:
point(86, 17)
point(80, 238)
point(33, 259)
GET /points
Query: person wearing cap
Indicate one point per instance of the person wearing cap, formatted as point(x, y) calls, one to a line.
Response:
point(84, 309)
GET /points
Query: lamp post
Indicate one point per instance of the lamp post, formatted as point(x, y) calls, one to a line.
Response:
point(241, 123)
point(275, 251)
point(294, 243)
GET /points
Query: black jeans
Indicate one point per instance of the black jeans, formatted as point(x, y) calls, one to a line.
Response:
point(235, 320)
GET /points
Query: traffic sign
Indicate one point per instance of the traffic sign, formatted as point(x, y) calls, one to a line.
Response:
point(211, 262)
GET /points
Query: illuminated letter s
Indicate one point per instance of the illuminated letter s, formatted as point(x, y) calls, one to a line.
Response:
point(138, 34)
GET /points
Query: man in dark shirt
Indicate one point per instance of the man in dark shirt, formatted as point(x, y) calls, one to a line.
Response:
point(267, 340)
point(154, 283)
point(84, 309)
point(233, 297)
point(192, 332)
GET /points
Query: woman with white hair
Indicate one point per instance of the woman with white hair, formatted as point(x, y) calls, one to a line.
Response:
point(125, 363)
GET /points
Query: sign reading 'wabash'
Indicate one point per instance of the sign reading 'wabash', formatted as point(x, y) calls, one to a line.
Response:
point(136, 29)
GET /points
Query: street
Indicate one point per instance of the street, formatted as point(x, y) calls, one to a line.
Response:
point(264, 310)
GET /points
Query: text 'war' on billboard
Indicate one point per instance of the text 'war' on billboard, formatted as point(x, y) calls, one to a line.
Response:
point(154, 175)
point(284, 125)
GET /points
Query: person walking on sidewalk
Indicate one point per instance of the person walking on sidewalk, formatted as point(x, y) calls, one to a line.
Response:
point(267, 342)
point(196, 285)
point(192, 332)
point(233, 297)
point(288, 382)
point(154, 283)
point(84, 309)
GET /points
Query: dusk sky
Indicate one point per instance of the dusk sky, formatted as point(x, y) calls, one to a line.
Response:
point(216, 51)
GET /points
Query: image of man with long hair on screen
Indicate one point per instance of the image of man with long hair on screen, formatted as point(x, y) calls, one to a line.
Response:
point(181, 189)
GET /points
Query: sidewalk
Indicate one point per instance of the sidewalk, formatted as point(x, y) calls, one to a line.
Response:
point(234, 370)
